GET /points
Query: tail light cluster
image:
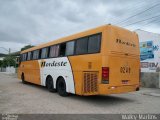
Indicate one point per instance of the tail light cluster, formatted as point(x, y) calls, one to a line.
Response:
point(105, 75)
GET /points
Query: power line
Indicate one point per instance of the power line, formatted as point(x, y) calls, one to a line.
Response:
point(82, 24)
point(142, 20)
point(138, 4)
point(155, 20)
point(138, 13)
point(131, 9)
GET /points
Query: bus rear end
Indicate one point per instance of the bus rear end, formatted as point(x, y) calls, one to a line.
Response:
point(121, 61)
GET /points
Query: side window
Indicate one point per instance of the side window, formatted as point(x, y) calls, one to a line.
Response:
point(54, 51)
point(81, 45)
point(35, 54)
point(70, 48)
point(21, 57)
point(62, 51)
point(94, 43)
point(44, 53)
point(29, 56)
point(24, 57)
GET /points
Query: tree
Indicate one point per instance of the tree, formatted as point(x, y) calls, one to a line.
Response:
point(26, 47)
point(1, 63)
point(9, 61)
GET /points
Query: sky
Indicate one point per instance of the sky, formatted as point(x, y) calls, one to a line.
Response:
point(24, 22)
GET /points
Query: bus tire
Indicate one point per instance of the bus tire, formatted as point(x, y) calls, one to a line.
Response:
point(49, 84)
point(61, 87)
point(23, 79)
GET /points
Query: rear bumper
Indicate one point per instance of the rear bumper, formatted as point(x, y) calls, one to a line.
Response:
point(106, 89)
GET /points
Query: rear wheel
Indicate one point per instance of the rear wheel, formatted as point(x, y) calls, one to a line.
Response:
point(23, 79)
point(61, 87)
point(49, 84)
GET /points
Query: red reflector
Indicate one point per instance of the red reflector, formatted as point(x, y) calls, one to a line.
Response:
point(105, 73)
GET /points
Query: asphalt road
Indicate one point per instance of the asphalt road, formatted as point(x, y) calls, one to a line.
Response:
point(16, 97)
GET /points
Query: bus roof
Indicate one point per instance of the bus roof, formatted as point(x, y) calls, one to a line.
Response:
point(70, 38)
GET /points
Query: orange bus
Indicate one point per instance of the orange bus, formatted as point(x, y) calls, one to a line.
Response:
point(100, 61)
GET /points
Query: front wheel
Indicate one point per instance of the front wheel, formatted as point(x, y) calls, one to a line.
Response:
point(61, 87)
point(23, 79)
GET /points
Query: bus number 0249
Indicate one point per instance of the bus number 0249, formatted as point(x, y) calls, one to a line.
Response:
point(125, 69)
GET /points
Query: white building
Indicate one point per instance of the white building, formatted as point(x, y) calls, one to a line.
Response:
point(1, 58)
point(149, 51)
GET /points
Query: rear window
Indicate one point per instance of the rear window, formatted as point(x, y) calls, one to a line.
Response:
point(81, 46)
point(90, 44)
point(94, 43)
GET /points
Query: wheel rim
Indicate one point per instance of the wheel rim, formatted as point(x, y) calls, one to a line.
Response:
point(49, 85)
point(61, 87)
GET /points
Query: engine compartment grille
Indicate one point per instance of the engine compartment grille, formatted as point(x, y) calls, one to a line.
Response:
point(90, 80)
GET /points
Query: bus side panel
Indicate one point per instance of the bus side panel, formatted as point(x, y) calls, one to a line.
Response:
point(31, 71)
point(19, 71)
point(90, 63)
point(35, 69)
point(25, 68)
point(57, 67)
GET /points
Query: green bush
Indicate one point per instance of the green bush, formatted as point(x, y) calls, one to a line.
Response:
point(8, 61)
point(1, 63)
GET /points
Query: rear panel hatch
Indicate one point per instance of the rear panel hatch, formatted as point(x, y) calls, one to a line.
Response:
point(124, 70)
point(124, 60)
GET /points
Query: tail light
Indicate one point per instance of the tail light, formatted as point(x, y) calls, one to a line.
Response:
point(105, 75)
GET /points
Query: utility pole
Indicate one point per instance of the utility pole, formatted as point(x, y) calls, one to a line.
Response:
point(9, 51)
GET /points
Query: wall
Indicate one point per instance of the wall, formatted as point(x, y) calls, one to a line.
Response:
point(151, 80)
point(8, 69)
point(1, 58)
point(149, 51)
point(150, 58)
point(2, 69)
